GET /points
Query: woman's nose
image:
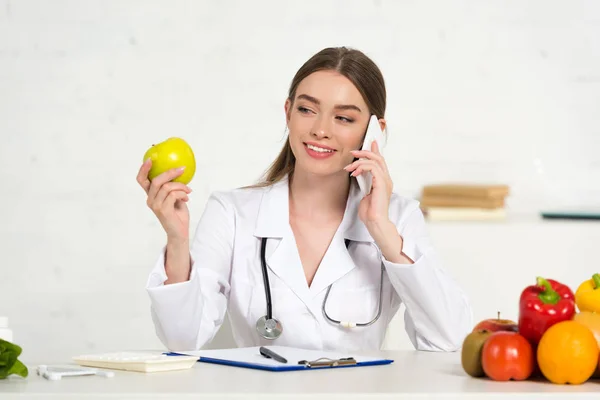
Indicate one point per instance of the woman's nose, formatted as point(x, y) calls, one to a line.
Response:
point(320, 129)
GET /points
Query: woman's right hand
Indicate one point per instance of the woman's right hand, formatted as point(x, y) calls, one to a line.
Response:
point(167, 200)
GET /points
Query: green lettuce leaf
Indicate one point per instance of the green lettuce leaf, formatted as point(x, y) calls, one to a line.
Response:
point(19, 368)
point(9, 364)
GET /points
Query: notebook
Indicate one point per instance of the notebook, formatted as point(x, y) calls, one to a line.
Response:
point(250, 357)
point(136, 361)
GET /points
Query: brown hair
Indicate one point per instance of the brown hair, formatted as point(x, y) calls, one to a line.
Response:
point(355, 66)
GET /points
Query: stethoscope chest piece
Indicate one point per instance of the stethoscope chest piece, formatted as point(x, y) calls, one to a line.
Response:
point(269, 328)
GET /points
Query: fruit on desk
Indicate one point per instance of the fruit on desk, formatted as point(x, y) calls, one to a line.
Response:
point(587, 295)
point(507, 355)
point(497, 324)
point(471, 352)
point(568, 353)
point(592, 321)
point(172, 153)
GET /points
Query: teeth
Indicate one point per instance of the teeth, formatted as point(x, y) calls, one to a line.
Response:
point(318, 149)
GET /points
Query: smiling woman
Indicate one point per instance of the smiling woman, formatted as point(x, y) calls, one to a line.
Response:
point(347, 85)
point(303, 258)
point(311, 120)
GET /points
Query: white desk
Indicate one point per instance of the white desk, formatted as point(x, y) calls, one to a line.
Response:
point(412, 375)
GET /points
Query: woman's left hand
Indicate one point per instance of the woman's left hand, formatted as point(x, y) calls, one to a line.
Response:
point(374, 207)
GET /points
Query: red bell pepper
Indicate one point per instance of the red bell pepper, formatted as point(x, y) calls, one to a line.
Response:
point(543, 305)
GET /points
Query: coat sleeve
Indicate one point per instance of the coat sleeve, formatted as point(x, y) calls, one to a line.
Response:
point(187, 315)
point(438, 313)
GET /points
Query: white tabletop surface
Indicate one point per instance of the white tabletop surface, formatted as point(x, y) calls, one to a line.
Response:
point(412, 375)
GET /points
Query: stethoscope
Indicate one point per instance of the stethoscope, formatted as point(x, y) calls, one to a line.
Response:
point(270, 328)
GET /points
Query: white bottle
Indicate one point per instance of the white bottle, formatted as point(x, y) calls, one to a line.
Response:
point(5, 332)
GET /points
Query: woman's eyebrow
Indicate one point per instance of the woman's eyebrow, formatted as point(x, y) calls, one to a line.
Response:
point(337, 106)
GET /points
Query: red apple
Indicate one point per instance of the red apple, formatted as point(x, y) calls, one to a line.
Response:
point(497, 324)
point(507, 355)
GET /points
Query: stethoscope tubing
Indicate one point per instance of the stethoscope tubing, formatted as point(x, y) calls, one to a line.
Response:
point(266, 279)
point(361, 324)
point(269, 315)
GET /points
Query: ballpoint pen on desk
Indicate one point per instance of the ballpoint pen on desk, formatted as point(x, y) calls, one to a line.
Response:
point(271, 354)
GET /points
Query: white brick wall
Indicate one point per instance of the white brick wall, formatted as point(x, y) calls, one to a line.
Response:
point(502, 91)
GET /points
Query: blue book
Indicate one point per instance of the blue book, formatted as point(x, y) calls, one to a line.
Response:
point(295, 359)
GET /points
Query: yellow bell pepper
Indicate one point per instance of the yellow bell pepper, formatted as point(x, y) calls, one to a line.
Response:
point(587, 295)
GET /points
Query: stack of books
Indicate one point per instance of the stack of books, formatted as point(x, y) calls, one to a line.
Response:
point(464, 202)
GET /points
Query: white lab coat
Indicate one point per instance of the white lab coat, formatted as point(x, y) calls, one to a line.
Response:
point(226, 278)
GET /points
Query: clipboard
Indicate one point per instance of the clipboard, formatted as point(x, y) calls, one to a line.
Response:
point(297, 359)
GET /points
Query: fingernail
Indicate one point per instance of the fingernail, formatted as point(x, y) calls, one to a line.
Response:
point(180, 169)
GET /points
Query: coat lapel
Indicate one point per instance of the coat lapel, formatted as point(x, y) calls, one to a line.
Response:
point(338, 260)
point(281, 254)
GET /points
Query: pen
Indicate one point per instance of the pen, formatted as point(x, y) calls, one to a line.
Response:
point(271, 354)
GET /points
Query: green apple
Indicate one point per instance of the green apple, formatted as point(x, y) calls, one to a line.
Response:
point(472, 350)
point(172, 153)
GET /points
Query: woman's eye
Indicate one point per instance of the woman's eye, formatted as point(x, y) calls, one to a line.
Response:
point(344, 119)
point(303, 110)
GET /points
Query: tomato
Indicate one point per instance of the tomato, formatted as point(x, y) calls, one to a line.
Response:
point(507, 355)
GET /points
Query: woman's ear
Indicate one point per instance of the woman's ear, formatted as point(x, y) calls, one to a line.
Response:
point(287, 107)
point(382, 124)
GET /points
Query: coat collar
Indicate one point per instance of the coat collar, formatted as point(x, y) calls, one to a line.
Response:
point(273, 220)
point(273, 214)
point(282, 255)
